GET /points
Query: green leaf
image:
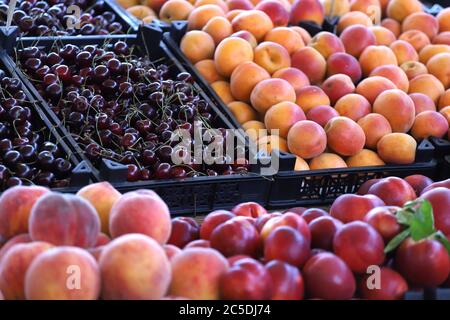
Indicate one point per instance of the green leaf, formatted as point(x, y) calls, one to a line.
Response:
point(404, 216)
point(422, 224)
point(397, 240)
point(439, 236)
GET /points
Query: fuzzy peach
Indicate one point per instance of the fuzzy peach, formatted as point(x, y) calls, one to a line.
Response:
point(375, 126)
point(337, 86)
point(375, 56)
point(283, 116)
point(272, 56)
point(346, 64)
point(200, 16)
point(413, 69)
point(422, 102)
point(404, 51)
point(427, 84)
point(309, 97)
point(326, 43)
point(322, 114)
point(393, 73)
point(287, 37)
point(230, 53)
point(327, 161)
point(383, 36)
point(371, 87)
point(244, 78)
point(353, 106)
point(353, 18)
point(222, 89)
point(197, 45)
point(365, 158)
point(307, 139)
point(294, 76)
point(397, 148)
point(345, 136)
point(356, 38)
point(242, 111)
point(429, 124)
point(311, 62)
point(207, 69)
point(416, 38)
point(270, 92)
point(256, 22)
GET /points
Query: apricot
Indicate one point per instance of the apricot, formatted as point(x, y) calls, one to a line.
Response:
point(272, 142)
point(276, 11)
point(327, 161)
point(127, 3)
point(397, 148)
point(413, 69)
point(219, 3)
point(283, 116)
point(222, 89)
point(375, 56)
point(200, 16)
point(356, 38)
point(369, 7)
point(443, 18)
point(336, 8)
point(174, 10)
point(244, 78)
point(372, 87)
point(322, 114)
point(208, 71)
point(295, 77)
point(272, 56)
point(218, 28)
point(442, 38)
point(197, 45)
point(416, 38)
point(345, 136)
point(427, 84)
point(346, 64)
point(400, 117)
point(429, 124)
point(303, 33)
point(353, 18)
point(270, 92)
point(422, 103)
point(230, 53)
point(256, 22)
point(309, 97)
point(239, 4)
point(439, 66)
point(383, 36)
point(230, 15)
point(242, 111)
point(431, 50)
point(307, 10)
point(375, 126)
point(326, 43)
point(365, 158)
point(444, 100)
point(446, 113)
point(404, 51)
point(393, 25)
point(337, 86)
point(311, 62)
point(353, 106)
point(307, 139)
point(393, 73)
point(247, 36)
point(301, 165)
point(423, 22)
point(400, 9)
point(140, 11)
point(255, 129)
point(287, 37)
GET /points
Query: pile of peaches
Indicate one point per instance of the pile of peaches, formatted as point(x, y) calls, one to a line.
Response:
point(364, 96)
point(103, 244)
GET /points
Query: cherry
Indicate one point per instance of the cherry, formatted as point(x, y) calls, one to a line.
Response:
point(12, 157)
point(62, 167)
point(133, 173)
point(163, 171)
point(13, 181)
point(121, 48)
point(128, 140)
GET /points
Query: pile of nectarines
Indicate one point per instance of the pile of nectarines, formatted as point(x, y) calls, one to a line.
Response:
point(364, 96)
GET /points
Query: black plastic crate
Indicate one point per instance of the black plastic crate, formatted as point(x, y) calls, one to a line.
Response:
point(81, 174)
point(191, 195)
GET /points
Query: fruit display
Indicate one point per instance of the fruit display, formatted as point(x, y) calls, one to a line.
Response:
point(127, 246)
point(364, 96)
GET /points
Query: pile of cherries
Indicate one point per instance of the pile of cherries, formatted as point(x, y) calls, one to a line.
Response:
point(52, 18)
point(27, 157)
point(123, 107)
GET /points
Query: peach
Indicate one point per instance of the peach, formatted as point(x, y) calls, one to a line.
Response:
point(20, 238)
point(247, 36)
point(303, 33)
point(289, 219)
point(404, 51)
point(345, 136)
point(283, 116)
point(353, 18)
point(326, 43)
point(208, 71)
point(295, 77)
point(336, 8)
point(446, 113)
point(102, 239)
point(171, 251)
point(383, 36)
point(427, 84)
point(242, 111)
point(287, 37)
point(413, 69)
point(249, 209)
point(439, 66)
point(442, 38)
point(219, 3)
point(301, 165)
point(311, 62)
point(223, 90)
point(196, 274)
point(418, 182)
point(393, 25)
point(197, 45)
point(15, 265)
point(365, 158)
point(244, 78)
point(400, 9)
point(422, 103)
point(423, 22)
point(375, 126)
point(393, 73)
point(230, 53)
point(270, 92)
point(444, 20)
point(63, 273)
point(15, 207)
point(307, 139)
point(276, 12)
point(254, 129)
point(272, 56)
point(64, 219)
point(141, 211)
point(256, 22)
point(272, 142)
point(352, 207)
point(338, 86)
point(200, 16)
point(140, 12)
point(174, 10)
point(327, 161)
point(353, 106)
point(198, 244)
point(230, 15)
point(444, 100)
point(429, 124)
point(311, 96)
point(307, 10)
point(375, 56)
point(346, 64)
point(371, 87)
point(102, 196)
point(356, 38)
point(397, 148)
point(401, 118)
point(134, 267)
point(322, 114)
point(416, 38)
point(393, 191)
point(218, 28)
point(431, 50)
point(239, 4)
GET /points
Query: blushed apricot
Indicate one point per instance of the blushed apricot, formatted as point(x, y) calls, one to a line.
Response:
point(353, 106)
point(404, 51)
point(283, 116)
point(322, 114)
point(301, 165)
point(207, 69)
point(422, 102)
point(256, 22)
point(429, 124)
point(443, 18)
point(287, 37)
point(242, 111)
point(311, 63)
point(383, 36)
point(352, 18)
point(230, 53)
point(365, 158)
point(307, 139)
point(427, 84)
point(222, 88)
point(393, 25)
point(413, 69)
point(326, 43)
point(294, 76)
point(337, 86)
point(327, 161)
point(200, 16)
point(375, 126)
point(197, 45)
point(244, 78)
point(270, 92)
point(416, 38)
point(375, 56)
point(397, 148)
point(444, 100)
point(218, 28)
point(356, 38)
point(393, 73)
point(439, 66)
point(400, 9)
point(255, 129)
point(423, 22)
point(345, 136)
point(431, 50)
point(371, 87)
point(309, 97)
point(271, 56)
